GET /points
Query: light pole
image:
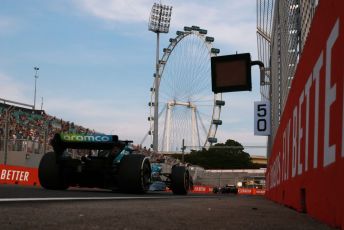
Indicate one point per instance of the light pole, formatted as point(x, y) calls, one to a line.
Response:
point(159, 22)
point(41, 103)
point(36, 76)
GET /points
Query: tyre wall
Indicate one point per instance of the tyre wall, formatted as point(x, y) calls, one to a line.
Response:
point(306, 168)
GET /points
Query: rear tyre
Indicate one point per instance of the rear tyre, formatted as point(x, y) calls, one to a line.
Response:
point(134, 174)
point(50, 174)
point(180, 180)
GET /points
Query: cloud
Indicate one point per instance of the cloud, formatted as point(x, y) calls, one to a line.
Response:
point(13, 90)
point(116, 10)
point(103, 116)
point(108, 117)
point(8, 25)
point(5, 23)
point(232, 23)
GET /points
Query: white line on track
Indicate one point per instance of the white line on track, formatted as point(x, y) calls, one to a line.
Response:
point(76, 198)
point(94, 198)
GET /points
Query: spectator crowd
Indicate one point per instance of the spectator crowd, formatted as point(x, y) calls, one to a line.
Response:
point(29, 130)
point(32, 125)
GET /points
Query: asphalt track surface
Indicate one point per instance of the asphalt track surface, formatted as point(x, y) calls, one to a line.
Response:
point(36, 208)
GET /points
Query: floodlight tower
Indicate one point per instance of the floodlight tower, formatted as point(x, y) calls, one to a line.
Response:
point(36, 77)
point(159, 22)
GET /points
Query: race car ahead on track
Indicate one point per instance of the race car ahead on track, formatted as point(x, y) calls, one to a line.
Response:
point(110, 164)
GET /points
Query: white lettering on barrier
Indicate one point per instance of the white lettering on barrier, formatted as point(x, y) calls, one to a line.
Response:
point(8, 175)
point(294, 149)
point(199, 189)
point(307, 88)
point(275, 172)
point(330, 97)
point(245, 190)
point(298, 127)
point(3, 174)
point(284, 156)
point(300, 135)
point(14, 175)
point(316, 76)
point(26, 176)
point(260, 191)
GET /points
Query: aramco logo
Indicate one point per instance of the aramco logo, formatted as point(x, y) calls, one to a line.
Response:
point(85, 138)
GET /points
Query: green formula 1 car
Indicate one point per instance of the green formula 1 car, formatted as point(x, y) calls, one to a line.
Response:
point(109, 163)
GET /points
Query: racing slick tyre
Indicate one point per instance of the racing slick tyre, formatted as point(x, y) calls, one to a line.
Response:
point(180, 180)
point(50, 174)
point(134, 174)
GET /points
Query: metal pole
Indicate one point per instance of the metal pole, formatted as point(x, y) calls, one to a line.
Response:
point(167, 127)
point(36, 76)
point(46, 132)
point(183, 148)
point(6, 140)
point(156, 99)
point(34, 100)
point(6, 136)
point(159, 23)
point(42, 103)
point(193, 126)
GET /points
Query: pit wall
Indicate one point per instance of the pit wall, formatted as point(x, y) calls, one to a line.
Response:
point(306, 167)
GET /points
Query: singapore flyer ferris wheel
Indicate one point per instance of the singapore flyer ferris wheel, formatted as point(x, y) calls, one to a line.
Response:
point(188, 109)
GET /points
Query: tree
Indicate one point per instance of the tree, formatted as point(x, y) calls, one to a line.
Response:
point(230, 155)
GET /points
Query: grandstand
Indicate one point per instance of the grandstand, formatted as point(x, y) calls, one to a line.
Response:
point(23, 129)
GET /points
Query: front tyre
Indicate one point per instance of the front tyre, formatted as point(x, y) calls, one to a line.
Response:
point(134, 174)
point(50, 174)
point(180, 180)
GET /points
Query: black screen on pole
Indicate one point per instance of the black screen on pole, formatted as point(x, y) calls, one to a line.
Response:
point(231, 73)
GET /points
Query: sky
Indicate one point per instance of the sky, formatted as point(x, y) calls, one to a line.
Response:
point(96, 60)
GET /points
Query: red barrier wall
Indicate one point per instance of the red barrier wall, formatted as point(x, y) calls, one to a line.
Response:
point(306, 168)
point(251, 191)
point(18, 175)
point(202, 189)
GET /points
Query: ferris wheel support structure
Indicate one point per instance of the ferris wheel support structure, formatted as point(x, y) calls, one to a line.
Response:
point(168, 124)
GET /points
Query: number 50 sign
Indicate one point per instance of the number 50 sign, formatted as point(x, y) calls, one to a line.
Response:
point(262, 118)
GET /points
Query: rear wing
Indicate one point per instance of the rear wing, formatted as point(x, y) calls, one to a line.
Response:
point(63, 141)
